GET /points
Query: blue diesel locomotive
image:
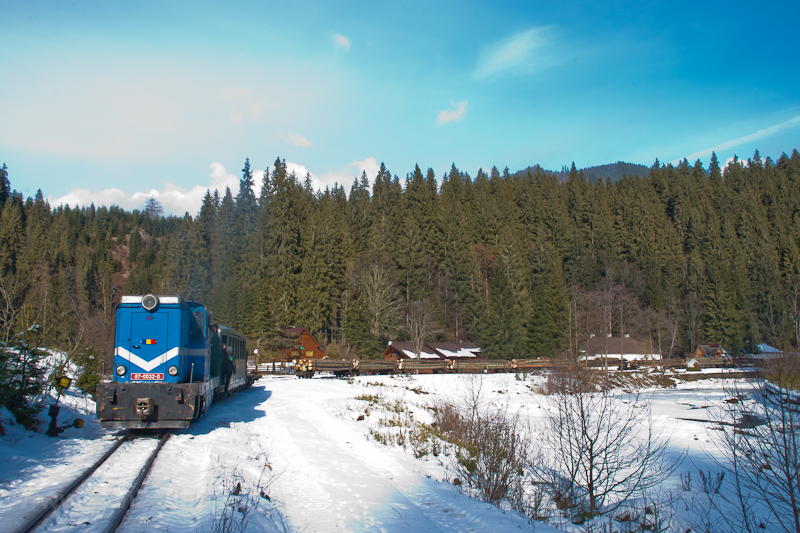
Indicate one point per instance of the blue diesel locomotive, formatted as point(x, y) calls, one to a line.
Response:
point(168, 364)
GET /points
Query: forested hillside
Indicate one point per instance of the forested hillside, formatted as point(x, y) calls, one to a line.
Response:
point(613, 172)
point(524, 265)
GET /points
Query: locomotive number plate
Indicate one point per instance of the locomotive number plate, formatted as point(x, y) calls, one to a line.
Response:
point(147, 376)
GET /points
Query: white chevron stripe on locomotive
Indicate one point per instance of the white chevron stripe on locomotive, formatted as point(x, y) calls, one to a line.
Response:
point(147, 366)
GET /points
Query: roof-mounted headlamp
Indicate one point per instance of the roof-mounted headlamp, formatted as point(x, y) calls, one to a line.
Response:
point(150, 302)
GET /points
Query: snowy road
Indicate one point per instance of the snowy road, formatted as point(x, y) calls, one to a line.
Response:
point(352, 483)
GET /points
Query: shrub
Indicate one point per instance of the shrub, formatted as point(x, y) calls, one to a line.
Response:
point(492, 451)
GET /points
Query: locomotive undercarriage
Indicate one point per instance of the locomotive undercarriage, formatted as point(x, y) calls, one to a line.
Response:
point(151, 405)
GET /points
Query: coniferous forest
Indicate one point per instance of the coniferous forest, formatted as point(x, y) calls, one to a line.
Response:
point(526, 264)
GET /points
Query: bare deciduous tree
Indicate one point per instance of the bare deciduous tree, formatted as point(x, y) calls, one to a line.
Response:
point(693, 313)
point(380, 300)
point(661, 331)
point(609, 310)
point(12, 289)
point(605, 449)
point(421, 324)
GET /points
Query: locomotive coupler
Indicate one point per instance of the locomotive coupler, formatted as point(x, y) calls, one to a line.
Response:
point(144, 407)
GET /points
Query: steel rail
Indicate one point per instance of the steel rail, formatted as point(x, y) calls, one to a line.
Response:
point(34, 522)
point(128, 499)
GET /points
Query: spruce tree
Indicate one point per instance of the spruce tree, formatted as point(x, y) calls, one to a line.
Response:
point(245, 198)
point(5, 186)
point(504, 336)
point(224, 262)
point(548, 322)
point(12, 236)
point(358, 215)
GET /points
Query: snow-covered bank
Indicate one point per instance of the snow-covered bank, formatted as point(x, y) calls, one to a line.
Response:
point(304, 457)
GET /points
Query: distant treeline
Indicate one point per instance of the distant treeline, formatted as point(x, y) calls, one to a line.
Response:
point(613, 171)
point(526, 265)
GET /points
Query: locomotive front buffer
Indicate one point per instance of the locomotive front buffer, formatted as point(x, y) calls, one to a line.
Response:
point(150, 405)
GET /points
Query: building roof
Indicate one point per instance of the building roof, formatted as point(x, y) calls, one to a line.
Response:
point(765, 351)
point(615, 345)
point(711, 350)
point(435, 350)
point(766, 348)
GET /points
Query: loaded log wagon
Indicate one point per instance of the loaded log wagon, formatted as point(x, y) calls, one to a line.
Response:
point(167, 364)
point(306, 368)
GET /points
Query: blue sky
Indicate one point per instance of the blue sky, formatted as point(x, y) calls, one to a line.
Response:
point(110, 102)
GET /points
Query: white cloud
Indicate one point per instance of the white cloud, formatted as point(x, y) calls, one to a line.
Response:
point(756, 136)
point(222, 179)
point(85, 197)
point(523, 52)
point(331, 179)
point(177, 200)
point(343, 177)
point(340, 42)
point(300, 171)
point(370, 165)
point(295, 139)
point(456, 114)
point(318, 183)
point(730, 161)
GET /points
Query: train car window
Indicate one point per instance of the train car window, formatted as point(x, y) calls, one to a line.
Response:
point(197, 325)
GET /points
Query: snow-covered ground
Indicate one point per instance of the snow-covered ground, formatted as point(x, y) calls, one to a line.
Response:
point(305, 455)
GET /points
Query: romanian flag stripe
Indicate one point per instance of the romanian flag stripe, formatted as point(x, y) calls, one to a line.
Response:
point(148, 341)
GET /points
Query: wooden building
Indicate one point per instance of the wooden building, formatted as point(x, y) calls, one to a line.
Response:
point(711, 351)
point(303, 346)
point(617, 348)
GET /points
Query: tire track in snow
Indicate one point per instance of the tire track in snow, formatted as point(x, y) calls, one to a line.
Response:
point(349, 483)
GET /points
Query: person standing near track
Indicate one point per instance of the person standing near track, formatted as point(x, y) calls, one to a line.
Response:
point(228, 366)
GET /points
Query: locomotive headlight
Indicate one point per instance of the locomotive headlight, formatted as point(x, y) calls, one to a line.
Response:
point(173, 370)
point(121, 370)
point(149, 302)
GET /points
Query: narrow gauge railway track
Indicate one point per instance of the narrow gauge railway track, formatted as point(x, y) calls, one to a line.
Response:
point(40, 520)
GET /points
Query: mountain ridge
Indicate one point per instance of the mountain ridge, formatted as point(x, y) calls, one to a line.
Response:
point(612, 171)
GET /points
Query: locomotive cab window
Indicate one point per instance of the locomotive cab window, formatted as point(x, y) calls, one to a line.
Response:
point(197, 325)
